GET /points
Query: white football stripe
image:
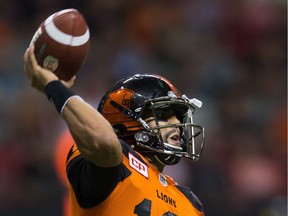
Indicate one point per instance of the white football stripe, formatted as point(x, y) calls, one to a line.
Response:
point(62, 37)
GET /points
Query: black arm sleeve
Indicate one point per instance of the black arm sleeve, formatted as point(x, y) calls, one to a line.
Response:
point(191, 197)
point(93, 184)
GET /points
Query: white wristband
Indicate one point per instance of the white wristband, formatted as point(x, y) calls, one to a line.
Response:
point(74, 96)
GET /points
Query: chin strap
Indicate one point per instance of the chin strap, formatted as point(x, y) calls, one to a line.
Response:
point(157, 155)
point(161, 159)
point(124, 110)
point(167, 159)
point(129, 113)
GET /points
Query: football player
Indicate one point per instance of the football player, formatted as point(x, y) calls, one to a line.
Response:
point(115, 167)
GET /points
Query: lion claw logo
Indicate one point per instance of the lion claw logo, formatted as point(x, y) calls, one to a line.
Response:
point(126, 99)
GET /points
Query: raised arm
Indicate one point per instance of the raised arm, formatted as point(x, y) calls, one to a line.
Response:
point(92, 133)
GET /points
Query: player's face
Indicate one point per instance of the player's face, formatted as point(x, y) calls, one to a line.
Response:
point(170, 135)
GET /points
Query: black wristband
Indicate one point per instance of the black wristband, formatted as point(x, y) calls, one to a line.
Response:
point(58, 94)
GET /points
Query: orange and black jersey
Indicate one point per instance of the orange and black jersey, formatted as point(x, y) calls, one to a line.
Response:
point(134, 187)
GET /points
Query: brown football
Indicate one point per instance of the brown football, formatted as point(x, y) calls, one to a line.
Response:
point(62, 43)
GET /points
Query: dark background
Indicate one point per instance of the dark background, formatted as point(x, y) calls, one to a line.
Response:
point(229, 54)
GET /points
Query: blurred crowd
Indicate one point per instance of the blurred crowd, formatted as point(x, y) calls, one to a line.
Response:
point(232, 55)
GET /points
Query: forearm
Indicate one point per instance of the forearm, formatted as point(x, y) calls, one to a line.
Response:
point(93, 134)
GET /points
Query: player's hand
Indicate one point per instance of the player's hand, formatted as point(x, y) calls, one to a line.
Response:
point(39, 76)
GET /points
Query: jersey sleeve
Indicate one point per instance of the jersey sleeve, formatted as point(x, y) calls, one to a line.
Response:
point(191, 197)
point(92, 184)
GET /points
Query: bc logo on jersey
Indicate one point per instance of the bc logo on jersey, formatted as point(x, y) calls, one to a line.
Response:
point(139, 166)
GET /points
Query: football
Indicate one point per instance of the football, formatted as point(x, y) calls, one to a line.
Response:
point(62, 43)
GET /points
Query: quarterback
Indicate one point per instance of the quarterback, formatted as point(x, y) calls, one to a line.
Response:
point(142, 124)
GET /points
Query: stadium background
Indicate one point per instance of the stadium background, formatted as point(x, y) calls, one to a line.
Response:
point(229, 54)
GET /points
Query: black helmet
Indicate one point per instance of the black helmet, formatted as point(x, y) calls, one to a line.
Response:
point(132, 100)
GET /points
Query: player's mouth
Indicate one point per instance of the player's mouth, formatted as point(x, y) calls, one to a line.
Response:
point(174, 138)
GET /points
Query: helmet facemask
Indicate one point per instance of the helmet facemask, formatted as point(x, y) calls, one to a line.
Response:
point(191, 136)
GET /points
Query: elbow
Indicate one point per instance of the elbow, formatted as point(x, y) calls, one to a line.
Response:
point(101, 148)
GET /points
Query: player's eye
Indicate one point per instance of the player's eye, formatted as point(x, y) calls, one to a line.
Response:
point(164, 114)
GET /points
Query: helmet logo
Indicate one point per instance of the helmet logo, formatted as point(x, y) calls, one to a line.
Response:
point(125, 102)
point(127, 96)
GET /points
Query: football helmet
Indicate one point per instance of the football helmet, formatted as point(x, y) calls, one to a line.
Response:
point(131, 101)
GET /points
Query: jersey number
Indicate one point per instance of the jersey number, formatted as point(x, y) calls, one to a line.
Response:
point(144, 209)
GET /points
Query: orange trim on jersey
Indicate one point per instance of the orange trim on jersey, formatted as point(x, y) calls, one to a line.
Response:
point(75, 152)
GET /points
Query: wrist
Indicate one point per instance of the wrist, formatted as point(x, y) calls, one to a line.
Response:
point(59, 94)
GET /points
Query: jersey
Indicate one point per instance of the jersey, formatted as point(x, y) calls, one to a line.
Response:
point(134, 187)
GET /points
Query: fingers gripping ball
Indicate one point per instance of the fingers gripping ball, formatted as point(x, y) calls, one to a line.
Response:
point(62, 43)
